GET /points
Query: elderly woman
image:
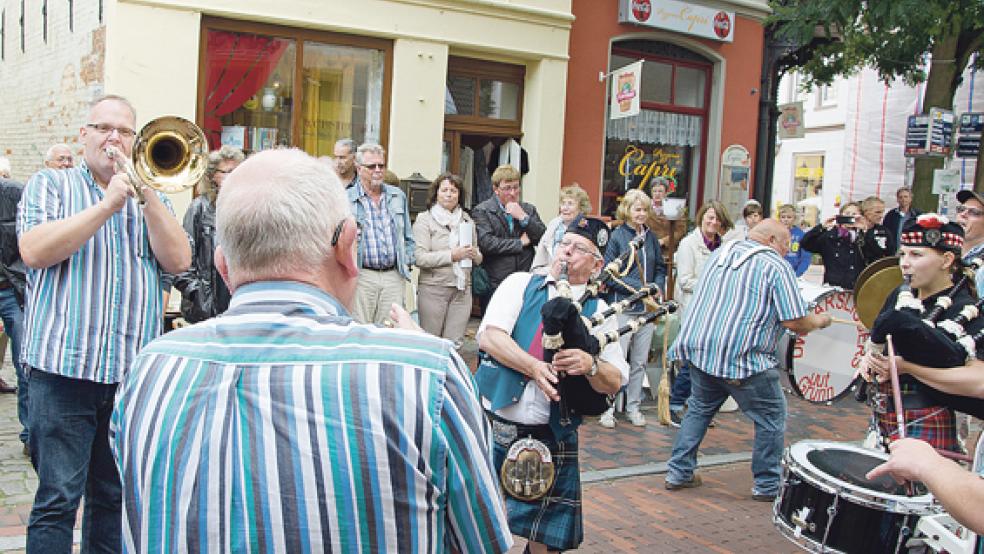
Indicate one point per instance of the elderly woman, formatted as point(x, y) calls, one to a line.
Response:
point(646, 267)
point(445, 259)
point(203, 292)
point(713, 223)
point(573, 202)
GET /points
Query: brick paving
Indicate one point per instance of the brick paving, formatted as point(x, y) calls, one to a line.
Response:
point(626, 514)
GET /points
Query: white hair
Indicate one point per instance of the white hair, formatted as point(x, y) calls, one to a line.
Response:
point(276, 214)
point(51, 151)
point(4, 167)
point(367, 148)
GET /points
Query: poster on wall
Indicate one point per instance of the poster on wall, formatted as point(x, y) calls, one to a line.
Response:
point(626, 85)
point(736, 169)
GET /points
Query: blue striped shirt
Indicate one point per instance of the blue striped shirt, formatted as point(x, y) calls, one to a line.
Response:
point(282, 426)
point(732, 325)
point(87, 316)
point(378, 233)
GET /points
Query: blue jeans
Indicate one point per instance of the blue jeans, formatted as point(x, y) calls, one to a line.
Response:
point(681, 387)
point(13, 325)
point(760, 398)
point(70, 448)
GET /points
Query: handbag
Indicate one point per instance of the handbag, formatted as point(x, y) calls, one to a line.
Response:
point(481, 285)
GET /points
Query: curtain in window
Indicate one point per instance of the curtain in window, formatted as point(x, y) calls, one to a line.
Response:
point(657, 127)
point(237, 67)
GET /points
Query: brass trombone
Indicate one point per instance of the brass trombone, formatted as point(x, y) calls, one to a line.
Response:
point(170, 154)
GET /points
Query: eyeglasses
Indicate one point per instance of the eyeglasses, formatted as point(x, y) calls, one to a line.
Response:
point(975, 212)
point(567, 243)
point(107, 129)
point(509, 188)
point(338, 232)
point(373, 167)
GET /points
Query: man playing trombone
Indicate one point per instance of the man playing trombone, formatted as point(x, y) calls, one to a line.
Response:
point(93, 299)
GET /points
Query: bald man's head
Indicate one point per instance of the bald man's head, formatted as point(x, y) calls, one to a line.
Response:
point(771, 233)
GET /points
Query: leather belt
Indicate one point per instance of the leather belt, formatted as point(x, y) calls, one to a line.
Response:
point(390, 268)
point(541, 431)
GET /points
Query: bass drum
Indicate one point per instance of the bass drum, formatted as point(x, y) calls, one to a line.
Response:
point(821, 366)
point(825, 503)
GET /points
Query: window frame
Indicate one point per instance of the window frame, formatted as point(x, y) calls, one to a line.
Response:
point(479, 70)
point(299, 36)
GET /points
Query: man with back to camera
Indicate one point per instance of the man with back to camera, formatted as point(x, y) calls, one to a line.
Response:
point(285, 426)
point(93, 299)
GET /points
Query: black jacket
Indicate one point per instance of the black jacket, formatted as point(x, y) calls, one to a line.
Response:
point(893, 221)
point(203, 292)
point(12, 268)
point(844, 260)
point(503, 250)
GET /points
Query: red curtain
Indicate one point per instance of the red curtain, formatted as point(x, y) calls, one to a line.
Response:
point(237, 67)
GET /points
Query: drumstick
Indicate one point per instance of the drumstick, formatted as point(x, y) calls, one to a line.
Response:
point(893, 371)
point(955, 456)
point(846, 321)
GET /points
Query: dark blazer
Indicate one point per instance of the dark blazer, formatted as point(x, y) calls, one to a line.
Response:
point(893, 221)
point(503, 250)
point(12, 269)
point(843, 260)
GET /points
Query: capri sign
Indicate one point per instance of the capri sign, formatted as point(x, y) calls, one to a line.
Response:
point(683, 17)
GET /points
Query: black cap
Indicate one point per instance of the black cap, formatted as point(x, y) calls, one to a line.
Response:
point(933, 231)
point(592, 229)
point(966, 194)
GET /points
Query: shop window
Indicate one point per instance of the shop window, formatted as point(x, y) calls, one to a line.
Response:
point(808, 187)
point(267, 86)
point(688, 87)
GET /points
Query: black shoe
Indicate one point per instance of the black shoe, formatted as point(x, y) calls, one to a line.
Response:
point(694, 482)
point(676, 416)
point(763, 497)
point(6, 388)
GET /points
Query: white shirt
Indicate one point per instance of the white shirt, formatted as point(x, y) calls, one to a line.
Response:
point(533, 407)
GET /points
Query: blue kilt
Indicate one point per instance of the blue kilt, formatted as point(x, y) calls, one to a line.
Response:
point(554, 520)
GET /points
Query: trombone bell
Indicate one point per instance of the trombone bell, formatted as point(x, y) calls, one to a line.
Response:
point(170, 154)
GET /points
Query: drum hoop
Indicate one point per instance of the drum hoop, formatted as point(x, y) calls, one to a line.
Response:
point(791, 370)
point(919, 505)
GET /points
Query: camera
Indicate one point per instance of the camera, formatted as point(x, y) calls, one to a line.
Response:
point(845, 219)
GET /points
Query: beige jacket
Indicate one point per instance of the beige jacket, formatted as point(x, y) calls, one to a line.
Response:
point(433, 256)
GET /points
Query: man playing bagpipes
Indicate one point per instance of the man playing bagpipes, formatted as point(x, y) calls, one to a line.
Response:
point(535, 446)
point(933, 320)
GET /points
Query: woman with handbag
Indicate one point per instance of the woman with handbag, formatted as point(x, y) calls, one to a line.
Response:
point(646, 267)
point(446, 250)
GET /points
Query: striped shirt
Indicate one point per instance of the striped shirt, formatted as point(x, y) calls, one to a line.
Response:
point(282, 426)
point(87, 316)
point(732, 325)
point(378, 233)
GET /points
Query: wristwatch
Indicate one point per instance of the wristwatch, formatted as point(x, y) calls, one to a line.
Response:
point(594, 367)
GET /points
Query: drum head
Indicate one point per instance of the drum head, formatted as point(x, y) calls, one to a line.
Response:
point(821, 365)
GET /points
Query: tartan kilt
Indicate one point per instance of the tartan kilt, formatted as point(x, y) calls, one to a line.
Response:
point(554, 520)
point(938, 429)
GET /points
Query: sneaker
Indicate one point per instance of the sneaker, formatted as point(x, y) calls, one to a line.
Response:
point(607, 420)
point(636, 418)
point(694, 481)
point(676, 416)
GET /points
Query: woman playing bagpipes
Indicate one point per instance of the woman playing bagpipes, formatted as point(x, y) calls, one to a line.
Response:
point(930, 317)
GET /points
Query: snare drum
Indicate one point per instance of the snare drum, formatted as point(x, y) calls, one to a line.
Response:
point(821, 365)
point(826, 504)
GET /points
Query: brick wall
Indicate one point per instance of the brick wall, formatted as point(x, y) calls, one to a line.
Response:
point(48, 86)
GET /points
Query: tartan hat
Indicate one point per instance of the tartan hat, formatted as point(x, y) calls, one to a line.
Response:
point(933, 231)
point(592, 229)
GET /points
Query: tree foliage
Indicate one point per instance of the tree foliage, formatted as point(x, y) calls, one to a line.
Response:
point(891, 36)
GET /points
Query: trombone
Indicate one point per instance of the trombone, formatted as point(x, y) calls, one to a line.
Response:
point(170, 154)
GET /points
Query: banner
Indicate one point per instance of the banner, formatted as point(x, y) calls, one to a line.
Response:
point(626, 88)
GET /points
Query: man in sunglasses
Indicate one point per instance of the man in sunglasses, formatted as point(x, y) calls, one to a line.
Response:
point(94, 298)
point(386, 246)
point(970, 216)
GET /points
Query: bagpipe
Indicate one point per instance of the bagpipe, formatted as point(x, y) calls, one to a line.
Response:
point(564, 326)
point(923, 337)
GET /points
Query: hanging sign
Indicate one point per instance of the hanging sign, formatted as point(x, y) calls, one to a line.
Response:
point(626, 86)
point(791, 121)
point(940, 132)
point(969, 138)
point(917, 135)
point(683, 17)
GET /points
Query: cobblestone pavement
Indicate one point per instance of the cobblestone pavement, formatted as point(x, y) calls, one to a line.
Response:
point(626, 508)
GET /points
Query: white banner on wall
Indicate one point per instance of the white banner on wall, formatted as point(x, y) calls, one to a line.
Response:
point(682, 17)
point(626, 86)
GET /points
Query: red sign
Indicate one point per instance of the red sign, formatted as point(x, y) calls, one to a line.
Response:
point(641, 9)
point(722, 24)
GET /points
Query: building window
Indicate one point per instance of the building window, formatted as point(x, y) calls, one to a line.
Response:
point(808, 187)
point(267, 86)
point(665, 141)
point(827, 95)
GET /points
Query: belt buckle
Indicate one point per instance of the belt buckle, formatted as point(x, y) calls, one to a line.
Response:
point(878, 402)
point(528, 472)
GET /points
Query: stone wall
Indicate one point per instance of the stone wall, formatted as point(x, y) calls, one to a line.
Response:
point(48, 85)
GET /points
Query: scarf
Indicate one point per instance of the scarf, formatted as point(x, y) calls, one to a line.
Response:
point(450, 220)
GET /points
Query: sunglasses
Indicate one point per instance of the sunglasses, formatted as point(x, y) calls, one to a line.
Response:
point(374, 167)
